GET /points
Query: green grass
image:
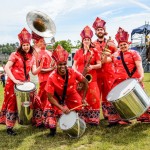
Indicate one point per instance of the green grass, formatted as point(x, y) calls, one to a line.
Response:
point(132, 137)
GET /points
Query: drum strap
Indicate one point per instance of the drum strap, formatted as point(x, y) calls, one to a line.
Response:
point(25, 73)
point(61, 100)
point(130, 74)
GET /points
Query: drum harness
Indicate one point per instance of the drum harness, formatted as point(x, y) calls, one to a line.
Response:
point(130, 74)
point(61, 100)
point(25, 73)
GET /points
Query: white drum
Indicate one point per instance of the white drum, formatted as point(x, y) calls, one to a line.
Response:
point(72, 124)
point(24, 95)
point(129, 99)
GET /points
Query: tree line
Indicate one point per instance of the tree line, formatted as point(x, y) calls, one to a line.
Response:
point(7, 49)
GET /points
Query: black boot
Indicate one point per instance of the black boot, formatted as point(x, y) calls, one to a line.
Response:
point(52, 132)
point(11, 132)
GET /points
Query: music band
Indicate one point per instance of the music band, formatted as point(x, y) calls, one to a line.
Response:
point(101, 68)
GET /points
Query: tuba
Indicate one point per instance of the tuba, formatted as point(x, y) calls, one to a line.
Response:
point(41, 24)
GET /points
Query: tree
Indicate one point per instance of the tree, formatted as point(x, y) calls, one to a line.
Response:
point(78, 44)
point(67, 45)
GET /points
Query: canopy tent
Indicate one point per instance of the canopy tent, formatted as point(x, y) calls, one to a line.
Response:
point(145, 29)
point(140, 37)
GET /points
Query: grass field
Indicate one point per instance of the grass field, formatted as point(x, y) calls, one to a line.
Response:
point(131, 137)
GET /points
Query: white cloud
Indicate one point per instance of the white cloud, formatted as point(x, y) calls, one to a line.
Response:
point(71, 16)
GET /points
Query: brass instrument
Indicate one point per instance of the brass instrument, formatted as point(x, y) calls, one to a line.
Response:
point(106, 51)
point(41, 24)
point(84, 73)
point(80, 86)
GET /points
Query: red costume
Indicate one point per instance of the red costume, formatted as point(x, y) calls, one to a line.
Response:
point(91, 112)
point(9, 114)
point(105, 75)
point(130, 57)
point(55, 83)
point(42, 78)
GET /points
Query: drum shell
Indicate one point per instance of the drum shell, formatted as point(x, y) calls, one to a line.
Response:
point(24, 106)
point(133, 104)
point(77, 129)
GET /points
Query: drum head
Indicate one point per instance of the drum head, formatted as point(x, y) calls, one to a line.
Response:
point(121, 89)
point(26, 87)
point(67, 121)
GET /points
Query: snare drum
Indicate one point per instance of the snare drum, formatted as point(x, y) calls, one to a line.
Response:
point(24, 95)
point(72, 124)
point(129, 99)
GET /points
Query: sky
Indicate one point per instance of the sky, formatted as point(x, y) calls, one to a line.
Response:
point(71, 16)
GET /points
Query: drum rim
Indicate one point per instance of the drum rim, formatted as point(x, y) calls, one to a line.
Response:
point(26, 90)
point(112, 100)
point(67, 128)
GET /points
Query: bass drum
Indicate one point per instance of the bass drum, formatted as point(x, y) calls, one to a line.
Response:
point(24, 96)
point(72, 124)
point(129, 99)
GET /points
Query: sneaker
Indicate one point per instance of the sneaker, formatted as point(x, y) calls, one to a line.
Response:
point(112, 124)
point(11, 132)
point(52, 132)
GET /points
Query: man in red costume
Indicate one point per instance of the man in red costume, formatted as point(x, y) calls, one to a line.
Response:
point(105, 75)
point(61, 87)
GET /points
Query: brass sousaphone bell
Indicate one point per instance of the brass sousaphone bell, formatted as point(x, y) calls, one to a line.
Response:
point(41, 24)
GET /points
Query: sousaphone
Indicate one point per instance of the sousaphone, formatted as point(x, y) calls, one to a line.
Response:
point(41, 24)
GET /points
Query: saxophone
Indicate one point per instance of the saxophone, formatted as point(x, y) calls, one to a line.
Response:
point(84, 73)
point(80, 85)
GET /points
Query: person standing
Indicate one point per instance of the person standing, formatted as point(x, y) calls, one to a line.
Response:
point(61, 87)
point(87, 61)
point(105, 75)
point(19, 64)
point(128, 64)
point(3, 79)
point(48, 66)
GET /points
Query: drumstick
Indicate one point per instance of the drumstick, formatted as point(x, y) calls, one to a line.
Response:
point(77, 107)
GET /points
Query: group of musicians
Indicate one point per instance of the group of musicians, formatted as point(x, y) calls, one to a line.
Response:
point(98, 67)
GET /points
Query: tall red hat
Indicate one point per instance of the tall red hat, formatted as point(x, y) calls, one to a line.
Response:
point(35, 36)
point(122, 36)
point(86, 33)
point(99, 23)
point(24, 36)
point(60, 54)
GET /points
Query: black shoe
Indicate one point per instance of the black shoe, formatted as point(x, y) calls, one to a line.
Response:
point(93, 124)
point(112, 124)
point(41, 126)
point(52, 132)
point(11, 132)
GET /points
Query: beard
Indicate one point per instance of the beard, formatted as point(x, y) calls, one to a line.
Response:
point(100, 35)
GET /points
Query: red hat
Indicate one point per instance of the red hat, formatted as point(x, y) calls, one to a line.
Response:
point(86, 33)
point(60, 54)
point(35, 36)
point(24, 36)
point(122, 36)
point(99, 23)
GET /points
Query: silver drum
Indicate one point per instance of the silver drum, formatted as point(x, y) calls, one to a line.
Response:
point(129, 99)
point(72, 124)
point(24, 96)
